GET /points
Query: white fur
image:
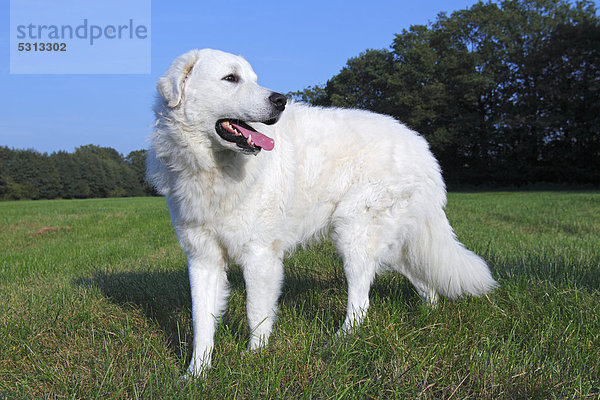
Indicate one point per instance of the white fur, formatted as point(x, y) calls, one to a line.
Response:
point(364, 177)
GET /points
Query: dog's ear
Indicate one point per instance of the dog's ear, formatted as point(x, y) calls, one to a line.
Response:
point(170, 86)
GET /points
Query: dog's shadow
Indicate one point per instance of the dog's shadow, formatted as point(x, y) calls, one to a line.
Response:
point(164, 297)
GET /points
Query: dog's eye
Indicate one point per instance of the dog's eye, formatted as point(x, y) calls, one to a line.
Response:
point(231, 78)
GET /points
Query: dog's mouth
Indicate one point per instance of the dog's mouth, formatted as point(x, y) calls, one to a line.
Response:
point(247, 139)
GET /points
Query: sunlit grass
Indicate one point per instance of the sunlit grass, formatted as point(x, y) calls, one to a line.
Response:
point(94, 303)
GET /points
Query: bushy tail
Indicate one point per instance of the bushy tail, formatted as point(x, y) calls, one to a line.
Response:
point(445, 264)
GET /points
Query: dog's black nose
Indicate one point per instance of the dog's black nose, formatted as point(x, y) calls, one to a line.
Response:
point(278, 100)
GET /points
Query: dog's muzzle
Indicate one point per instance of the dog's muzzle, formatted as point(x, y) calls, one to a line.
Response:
point(248, 139)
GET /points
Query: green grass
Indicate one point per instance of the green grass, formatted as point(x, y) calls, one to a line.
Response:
point(94, 304)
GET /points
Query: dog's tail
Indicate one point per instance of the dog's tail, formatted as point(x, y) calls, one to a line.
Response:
point(445, 264)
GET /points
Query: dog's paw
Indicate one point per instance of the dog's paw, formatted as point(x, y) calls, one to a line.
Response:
point(197, 370)
point(258, 342)
point(185, 379)
point(190, 377)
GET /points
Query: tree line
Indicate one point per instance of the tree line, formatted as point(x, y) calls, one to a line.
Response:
point(506, 93)
point(90, 171)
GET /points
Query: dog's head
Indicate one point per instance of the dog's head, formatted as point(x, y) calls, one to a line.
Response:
point(218, 93)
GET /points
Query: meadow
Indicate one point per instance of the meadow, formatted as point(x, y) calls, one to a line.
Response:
point(94, 304)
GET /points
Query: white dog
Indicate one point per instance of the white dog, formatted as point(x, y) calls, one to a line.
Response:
point(246, 181)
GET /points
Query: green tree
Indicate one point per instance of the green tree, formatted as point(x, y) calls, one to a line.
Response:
point(504, 93)
point(67, 171)
point(137, 162)
point(35, 174)
point(91, 171)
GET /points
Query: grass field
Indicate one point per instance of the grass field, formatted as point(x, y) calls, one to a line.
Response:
point(94, 304)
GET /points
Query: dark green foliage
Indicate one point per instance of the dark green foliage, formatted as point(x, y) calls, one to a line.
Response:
point(137, 162)
point(91, 171)
point(26, 174)
point(505, 93)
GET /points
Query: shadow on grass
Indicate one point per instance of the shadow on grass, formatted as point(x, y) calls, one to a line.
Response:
point(164, 297)
point(561, 272)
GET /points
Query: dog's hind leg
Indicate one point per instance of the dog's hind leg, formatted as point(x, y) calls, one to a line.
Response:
point(263, 274)
point(359, 275)
point(360, 268)
point(427, 292)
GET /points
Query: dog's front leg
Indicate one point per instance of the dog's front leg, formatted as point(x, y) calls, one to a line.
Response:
point(263, 274)
point(209, 289)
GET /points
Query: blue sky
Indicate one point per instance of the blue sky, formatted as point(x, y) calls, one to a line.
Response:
point(291, 45)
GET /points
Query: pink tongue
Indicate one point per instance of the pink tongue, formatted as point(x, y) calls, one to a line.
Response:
point(258, 138)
